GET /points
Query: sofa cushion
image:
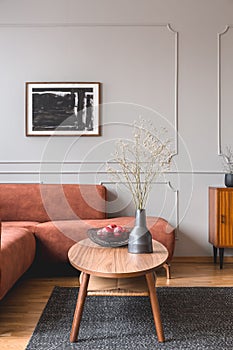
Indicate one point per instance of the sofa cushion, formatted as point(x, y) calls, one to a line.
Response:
point(54, 239)
point(30, 225)
point(18, 249)
point(44, 202)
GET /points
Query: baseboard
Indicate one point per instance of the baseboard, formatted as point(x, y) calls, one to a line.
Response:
point(199, 259)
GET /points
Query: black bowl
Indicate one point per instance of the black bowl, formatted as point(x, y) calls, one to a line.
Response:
point(108, 239)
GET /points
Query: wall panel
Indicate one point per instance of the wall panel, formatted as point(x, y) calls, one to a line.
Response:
point(185, 85)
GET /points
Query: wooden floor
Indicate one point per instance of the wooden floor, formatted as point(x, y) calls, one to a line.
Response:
point(22, 307)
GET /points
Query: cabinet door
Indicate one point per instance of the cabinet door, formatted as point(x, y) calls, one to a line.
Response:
point(225, 218)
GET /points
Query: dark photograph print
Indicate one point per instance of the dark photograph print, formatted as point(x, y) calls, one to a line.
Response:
point(62, 109)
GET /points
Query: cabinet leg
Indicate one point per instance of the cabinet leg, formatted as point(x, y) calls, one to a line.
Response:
point(215, 254)
point(221, 255)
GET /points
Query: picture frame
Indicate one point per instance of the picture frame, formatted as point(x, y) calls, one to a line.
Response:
point(62, 109)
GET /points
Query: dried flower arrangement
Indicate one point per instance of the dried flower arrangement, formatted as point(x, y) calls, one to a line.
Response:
point(228, 160)
point(137, 163)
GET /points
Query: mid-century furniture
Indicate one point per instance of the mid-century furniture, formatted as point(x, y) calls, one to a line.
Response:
point(220, 220)
point(92, 259)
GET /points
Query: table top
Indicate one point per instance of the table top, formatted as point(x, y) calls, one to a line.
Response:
point(96, 260)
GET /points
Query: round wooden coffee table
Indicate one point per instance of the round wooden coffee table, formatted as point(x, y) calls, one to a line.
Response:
point(93, 259)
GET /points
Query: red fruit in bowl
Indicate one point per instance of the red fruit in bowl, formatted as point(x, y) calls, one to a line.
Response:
point(111, 226)
point(104, 231)
point(117, 233)
point(100, 232)
point(119, 229)
point(109, 229)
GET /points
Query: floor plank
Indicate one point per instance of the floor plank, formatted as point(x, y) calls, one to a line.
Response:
point(21, 308)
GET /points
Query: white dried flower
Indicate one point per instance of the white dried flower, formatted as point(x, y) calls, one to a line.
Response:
point(228, 160)
point(139, 162)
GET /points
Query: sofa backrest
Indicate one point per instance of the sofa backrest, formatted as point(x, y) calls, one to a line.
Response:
point(44, 202)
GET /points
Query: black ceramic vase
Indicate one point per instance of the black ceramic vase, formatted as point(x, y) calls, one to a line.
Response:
point(229, 180)
point(140, 239)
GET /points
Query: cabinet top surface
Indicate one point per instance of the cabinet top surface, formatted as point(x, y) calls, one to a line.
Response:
point(221, 188)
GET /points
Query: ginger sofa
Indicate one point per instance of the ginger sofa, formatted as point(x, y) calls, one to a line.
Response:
point(42, 222)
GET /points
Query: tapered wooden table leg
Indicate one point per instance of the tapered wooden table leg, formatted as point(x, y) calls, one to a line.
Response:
point(79, 308)
point(109, 262)
point(168, 270)
point(155, 306)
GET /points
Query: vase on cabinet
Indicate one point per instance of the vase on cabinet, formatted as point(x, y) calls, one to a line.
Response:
point(140, 239)
point(229, 180)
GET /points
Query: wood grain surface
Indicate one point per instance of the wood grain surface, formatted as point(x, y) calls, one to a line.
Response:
point(100, 261)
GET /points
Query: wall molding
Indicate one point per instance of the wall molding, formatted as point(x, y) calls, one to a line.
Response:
point(126, 25)
point(176, 71)
point(219, 92)
point(12, 163)
point(76, 24)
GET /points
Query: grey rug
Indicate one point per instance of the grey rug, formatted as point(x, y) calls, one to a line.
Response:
point(193, 318)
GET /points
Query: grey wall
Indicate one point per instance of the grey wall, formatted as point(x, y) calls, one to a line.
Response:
point(170, 61)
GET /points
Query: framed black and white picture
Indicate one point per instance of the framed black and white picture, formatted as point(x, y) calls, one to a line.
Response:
point(62, 109)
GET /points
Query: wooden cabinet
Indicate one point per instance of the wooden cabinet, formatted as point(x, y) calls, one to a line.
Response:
point(220, 220)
